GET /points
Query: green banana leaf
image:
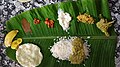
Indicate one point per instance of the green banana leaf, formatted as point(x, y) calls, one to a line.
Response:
point(102, 47)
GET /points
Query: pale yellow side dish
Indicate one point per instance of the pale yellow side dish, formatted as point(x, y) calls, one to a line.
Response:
point(29, 55)
point(103, 25)
point(85, 18)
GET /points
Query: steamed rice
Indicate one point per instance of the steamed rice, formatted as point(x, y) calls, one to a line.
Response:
point(63, 49)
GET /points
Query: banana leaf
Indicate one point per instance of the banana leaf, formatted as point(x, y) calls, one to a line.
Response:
point(102, 47)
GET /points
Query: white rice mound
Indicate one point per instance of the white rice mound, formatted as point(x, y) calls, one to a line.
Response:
point(29, 55)
point(63, 49)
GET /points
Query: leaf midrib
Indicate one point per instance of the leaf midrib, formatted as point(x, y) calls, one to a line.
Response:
point(84, 37)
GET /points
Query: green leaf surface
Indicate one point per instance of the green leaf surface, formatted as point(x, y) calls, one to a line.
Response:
point(102, 47)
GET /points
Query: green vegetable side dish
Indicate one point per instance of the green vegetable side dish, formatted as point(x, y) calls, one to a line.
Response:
point(102, 47)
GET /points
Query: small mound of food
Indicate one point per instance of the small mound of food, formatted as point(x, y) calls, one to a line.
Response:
point(64, 19)
point(85, 18)
point(50, 23)
point(73, 49)
point(103, 25)
point(29, 55)
point(36, 21)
